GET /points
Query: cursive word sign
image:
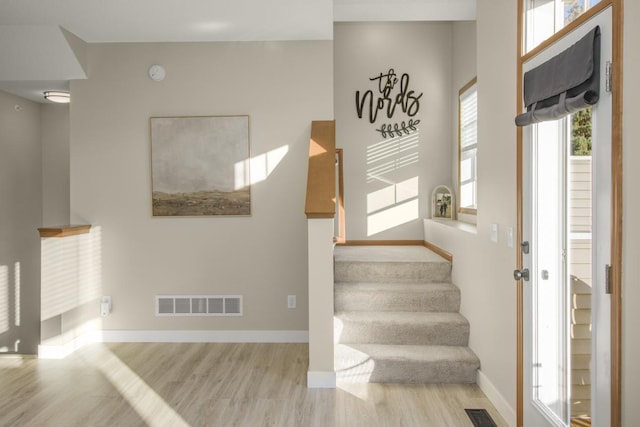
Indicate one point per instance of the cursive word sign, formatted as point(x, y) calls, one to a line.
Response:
point(388, 102)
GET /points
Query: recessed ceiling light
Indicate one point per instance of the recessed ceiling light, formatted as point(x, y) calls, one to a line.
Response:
point(57, 96)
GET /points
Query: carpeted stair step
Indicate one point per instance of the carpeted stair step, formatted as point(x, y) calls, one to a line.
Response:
point(396, 297)
point(409, 328)
point(390, 264)
point(397, 318)
point(361, 363)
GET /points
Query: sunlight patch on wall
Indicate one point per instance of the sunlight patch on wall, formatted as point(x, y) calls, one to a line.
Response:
point(90, 265)
point(390, 155)
point(393, 217)
point(71, 272)
point(258, 168)
point(4, 299)
point(393, 198)
point(392, 194)
point(16, 284)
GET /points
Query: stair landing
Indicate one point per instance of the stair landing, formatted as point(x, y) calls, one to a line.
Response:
point(409, 253)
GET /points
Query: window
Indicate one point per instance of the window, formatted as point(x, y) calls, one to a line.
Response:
point(468, 147)
point(544, 18)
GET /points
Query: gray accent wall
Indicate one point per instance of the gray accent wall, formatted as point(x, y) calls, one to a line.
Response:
point(20, 216)
point(55, 164)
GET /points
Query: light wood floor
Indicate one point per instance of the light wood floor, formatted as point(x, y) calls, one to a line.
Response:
point(213, 385)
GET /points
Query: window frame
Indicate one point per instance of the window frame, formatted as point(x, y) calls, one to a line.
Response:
point(559, 33)
point(463, 90)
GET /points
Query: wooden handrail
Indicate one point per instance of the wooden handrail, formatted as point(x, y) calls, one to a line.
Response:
point(321, 184)
point(64, 230)
point(342, 234)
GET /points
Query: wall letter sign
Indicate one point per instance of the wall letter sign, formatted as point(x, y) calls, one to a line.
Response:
point(393, 92)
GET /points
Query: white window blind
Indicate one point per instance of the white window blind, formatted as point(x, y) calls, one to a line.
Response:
point(468, 177)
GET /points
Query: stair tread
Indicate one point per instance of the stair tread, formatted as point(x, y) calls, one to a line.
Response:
point(401, 317)
point(418, 353)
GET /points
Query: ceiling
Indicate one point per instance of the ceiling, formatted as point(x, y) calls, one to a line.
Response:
point(42, 42)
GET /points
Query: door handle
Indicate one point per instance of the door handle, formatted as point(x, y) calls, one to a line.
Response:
point(521, 274)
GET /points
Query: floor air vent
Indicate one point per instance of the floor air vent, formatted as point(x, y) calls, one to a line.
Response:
point(199, 305)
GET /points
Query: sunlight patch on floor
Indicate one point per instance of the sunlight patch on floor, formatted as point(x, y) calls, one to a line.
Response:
point(146, 402)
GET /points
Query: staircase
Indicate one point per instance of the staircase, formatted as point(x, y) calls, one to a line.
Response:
point(397, 318)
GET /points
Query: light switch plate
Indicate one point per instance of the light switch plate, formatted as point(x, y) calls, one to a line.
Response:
point(291, 301)
point(510, 237)
point(494, 233)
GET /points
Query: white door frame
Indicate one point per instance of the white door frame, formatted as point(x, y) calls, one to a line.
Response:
point(605, 217)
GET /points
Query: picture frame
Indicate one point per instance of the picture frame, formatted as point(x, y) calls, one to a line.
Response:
point(443, 203)
point(200, 166)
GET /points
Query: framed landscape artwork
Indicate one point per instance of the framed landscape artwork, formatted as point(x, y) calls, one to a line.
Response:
point(200, 166)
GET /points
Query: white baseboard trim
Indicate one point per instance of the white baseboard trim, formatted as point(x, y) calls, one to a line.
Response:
point(321, 379)
point(492, 393)
point(59, 350)
point(206, 336)
point(62, 345)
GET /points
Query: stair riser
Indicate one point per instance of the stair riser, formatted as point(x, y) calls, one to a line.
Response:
point(440, 301)
point(442, 372)
point(354, 332)
point(397, 272)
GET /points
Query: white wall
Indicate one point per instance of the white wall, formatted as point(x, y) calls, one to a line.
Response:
point(55, 164)
point(496, 70)
point(282, 86)
point(364, 50)
point(631, 226)
point(20, 216)
point(482, 269)
point(485, 279)
point(464, 69)
point(464, 55)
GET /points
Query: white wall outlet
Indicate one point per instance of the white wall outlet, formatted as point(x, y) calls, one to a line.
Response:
point(105, 306)
point(494, 233)
point(291, 301)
